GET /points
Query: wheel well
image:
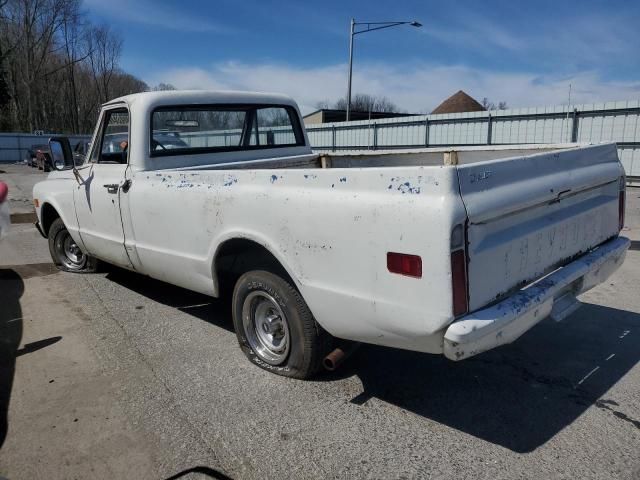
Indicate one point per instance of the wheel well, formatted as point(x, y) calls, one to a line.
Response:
point(48, 215)
point(240, 255)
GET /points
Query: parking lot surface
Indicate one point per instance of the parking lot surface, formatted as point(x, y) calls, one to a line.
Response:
point(115, 375)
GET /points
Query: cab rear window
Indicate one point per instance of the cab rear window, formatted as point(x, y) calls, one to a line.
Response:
point(184, 130)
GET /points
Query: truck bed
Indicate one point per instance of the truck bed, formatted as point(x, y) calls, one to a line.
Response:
point(454, 155)
point(530, 208)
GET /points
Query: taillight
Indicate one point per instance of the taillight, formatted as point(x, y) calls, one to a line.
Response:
point(621, 204)
point(459, 281)
point(404, 264)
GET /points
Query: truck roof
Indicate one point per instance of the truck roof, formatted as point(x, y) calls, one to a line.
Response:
point(196, 97)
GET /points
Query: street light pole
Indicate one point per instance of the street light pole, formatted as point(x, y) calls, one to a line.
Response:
point(353, 24)
point(376, 26)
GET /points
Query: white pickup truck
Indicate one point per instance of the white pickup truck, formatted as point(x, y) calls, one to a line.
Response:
point(439, 251)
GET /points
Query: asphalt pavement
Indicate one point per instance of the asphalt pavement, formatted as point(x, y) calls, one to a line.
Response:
point(115, 375)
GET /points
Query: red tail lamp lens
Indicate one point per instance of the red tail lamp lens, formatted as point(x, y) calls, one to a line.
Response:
point(459, 282)
point(404, 264)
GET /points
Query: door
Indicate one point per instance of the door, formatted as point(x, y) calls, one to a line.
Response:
point(97, 197)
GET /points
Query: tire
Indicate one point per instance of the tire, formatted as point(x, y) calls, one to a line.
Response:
point(275, 327)
point(66, 255)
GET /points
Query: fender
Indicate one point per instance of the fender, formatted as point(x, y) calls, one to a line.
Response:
point(58, 196)
point(255, 237)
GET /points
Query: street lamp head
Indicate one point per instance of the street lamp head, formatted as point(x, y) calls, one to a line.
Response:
point(415, 24)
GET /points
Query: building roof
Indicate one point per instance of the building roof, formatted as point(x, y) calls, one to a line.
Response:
point(459, 102)
point(331, 115)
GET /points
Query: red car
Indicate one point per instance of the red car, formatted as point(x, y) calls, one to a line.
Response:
point(43, 157)
point(5, 220)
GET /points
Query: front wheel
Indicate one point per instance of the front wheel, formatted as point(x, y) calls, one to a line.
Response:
point(66, 254)
point(275, 327)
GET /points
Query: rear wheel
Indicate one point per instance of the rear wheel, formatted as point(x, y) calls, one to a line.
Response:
point(275, 327)
point(66, 254)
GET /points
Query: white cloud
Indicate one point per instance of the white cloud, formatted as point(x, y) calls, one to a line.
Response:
point(414, 89)
point(152, 13)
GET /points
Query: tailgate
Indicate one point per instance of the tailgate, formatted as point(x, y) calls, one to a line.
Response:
point(530, 215)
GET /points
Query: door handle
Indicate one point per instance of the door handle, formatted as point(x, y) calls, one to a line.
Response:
point(112, 187)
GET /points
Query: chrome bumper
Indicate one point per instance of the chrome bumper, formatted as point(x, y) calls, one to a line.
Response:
point(554, 295)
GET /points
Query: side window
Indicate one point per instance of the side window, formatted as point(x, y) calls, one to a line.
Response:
point(275, 127)
point(113, 143)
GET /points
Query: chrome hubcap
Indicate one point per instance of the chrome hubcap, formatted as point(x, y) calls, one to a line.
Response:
point(266, 327)
point(68, 251)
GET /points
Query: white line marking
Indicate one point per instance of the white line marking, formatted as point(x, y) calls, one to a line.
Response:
point(588, 375)
point(610, 356)
point(625, 333)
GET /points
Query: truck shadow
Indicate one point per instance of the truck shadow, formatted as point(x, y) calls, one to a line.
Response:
point(518, 396)
point(216, 311)
point(11, 289)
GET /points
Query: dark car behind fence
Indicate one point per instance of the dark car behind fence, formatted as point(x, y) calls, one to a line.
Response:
point(18, 147)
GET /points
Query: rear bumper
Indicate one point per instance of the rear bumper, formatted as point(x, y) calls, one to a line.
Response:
point(554, 296)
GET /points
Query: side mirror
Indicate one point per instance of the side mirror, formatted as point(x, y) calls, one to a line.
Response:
point(61, 154)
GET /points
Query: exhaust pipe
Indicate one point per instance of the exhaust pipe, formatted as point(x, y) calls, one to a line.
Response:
point(332, 361)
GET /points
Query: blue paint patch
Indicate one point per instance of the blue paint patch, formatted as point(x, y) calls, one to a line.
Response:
point(343, 180)
point(230, 180)
point(310, 175)
point(406, 187)
point(274, 178)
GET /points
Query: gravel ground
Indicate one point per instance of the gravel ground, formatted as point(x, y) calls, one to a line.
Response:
point(114, 375)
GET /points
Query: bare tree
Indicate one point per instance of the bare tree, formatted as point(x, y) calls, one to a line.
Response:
point(163, 87)
point(123, 83)
point(56, 67)
point(362, 102)
point(105, 48)
point(489, 105)
point(76, 50)
point(323, 105)
point(29, 29)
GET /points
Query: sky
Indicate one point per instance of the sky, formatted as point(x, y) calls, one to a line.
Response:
point(526, 53)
